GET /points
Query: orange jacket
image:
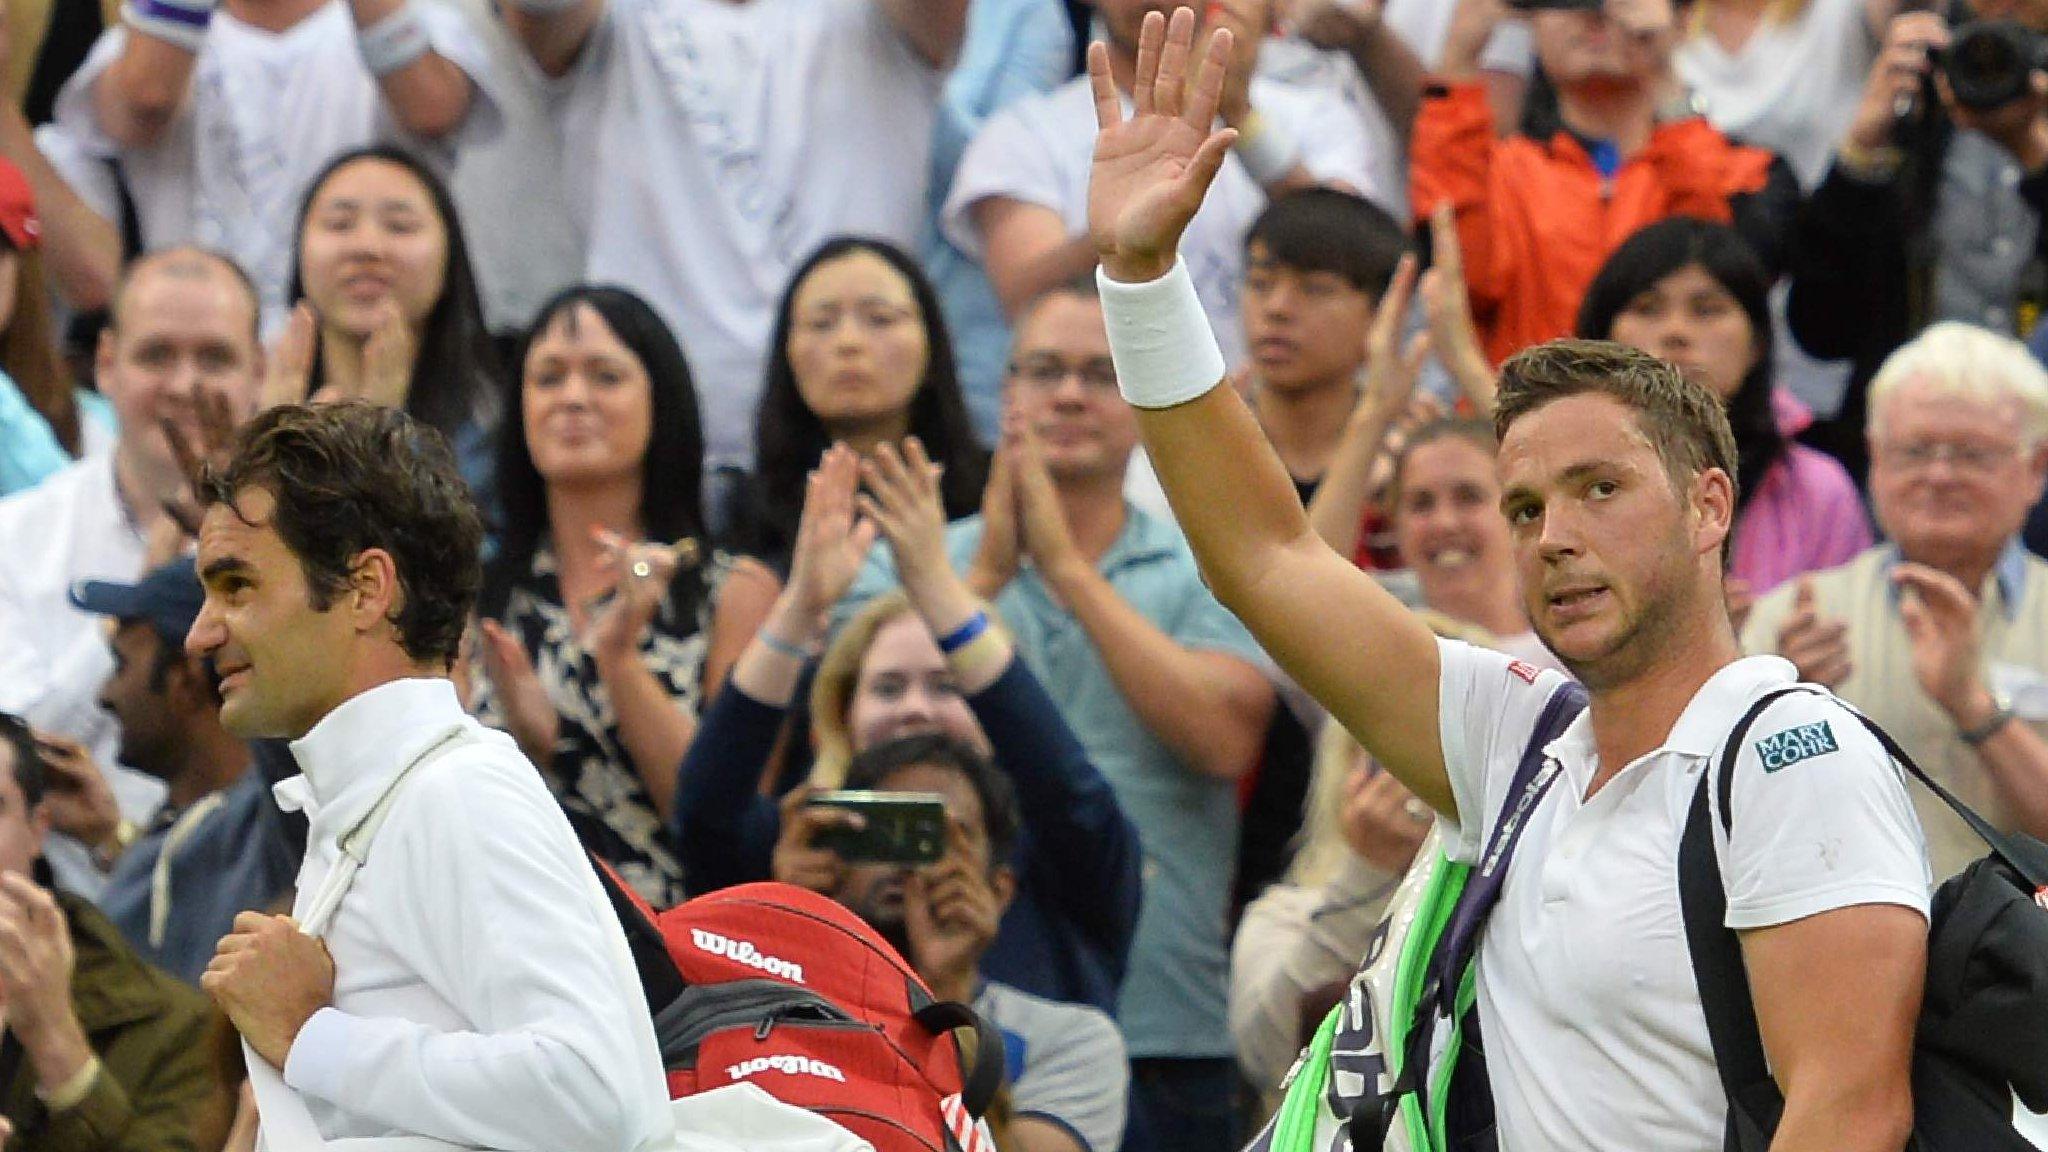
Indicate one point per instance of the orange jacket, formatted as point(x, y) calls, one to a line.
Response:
point(1537, 220)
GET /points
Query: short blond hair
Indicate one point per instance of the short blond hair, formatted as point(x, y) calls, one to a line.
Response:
point(1966, 362)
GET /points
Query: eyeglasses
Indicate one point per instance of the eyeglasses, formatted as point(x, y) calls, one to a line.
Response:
point(1046, 374)
point(1919, 455)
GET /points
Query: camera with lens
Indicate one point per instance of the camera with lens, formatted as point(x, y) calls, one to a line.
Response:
point(1990, 63)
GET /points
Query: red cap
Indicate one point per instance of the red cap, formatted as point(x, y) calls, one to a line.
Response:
point(18, 209)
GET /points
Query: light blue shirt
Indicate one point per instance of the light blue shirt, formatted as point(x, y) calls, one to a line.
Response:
point(1174, 993)
point(1013, 48)
point(29, 451)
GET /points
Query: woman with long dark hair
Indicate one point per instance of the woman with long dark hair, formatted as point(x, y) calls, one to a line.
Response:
point(597, 609)
point(45, 421)
point(861, 356)
point(385, 304)
point(1695, 294)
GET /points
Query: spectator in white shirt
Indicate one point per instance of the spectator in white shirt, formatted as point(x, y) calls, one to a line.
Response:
point(710, 145)
point(182, 344)
point(217, 120)
point(1019, 201)
point(474, 987)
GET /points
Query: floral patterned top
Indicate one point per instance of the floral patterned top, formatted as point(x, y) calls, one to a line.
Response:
point(591, 773)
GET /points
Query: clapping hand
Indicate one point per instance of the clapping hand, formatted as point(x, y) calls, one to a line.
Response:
point(832, 539)
point(641, 572)
point(1150, 172)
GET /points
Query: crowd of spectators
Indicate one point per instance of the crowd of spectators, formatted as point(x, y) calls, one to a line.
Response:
point(765, 335)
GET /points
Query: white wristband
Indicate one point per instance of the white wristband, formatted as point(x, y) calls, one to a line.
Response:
point(1159, 338)
point(1269, 152)
point(179, 22)
point(544, 7)
point(395, 42)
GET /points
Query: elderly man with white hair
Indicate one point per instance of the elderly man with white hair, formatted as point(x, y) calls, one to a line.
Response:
point(1941, 633)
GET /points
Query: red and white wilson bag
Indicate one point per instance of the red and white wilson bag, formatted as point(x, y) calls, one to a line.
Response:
point(786, 989)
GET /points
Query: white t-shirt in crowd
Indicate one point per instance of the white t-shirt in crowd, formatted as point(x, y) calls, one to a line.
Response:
point(1424, 24)
point(1792, 87)
point(54, 657)
point(265, 112)
point(1038, 150)
point(1595, 1037)
point(711, 146)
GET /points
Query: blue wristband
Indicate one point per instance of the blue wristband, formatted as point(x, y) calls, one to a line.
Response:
point(777, 644)
point(965, 634)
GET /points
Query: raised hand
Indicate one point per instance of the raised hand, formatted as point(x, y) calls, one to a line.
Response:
point(1151, 172)
point(1247, 21)
point(81, 801)
point(204, 442)
point(288, 370)
point(1910, 41)
point(523, 703)
point(1383, 823)
point(1046, 533)
point(1447, 306)
point(995, 561)
point(950, 913)
point(902, 498)
point(1390, 370)
point(642, 572)
point(832, 542)
point(1818, 648)
point(388, 358)
point(1940, 616)
point(797, 858)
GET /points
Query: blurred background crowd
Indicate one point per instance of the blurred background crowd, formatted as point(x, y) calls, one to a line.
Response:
point(765, 334)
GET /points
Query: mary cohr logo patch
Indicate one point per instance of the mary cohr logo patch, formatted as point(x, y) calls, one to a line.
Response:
point(1789, 747)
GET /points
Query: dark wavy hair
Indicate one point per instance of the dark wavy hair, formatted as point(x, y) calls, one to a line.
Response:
point(1001, 816)
point(672, 476)
point(789, 438)
point(1670, 246)
point(456, 374)
point(350, 476)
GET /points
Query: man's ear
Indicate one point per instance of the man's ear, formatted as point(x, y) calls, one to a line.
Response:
point(375, 596)
point(1713, 502)
point(1002, 880)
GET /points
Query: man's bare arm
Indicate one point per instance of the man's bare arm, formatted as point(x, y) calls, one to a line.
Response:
point(1342, 637)
point(1837, 996)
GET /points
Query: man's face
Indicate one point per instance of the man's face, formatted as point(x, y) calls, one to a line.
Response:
point(180, 336)
point(875, 891)
point(1607, 551)
point(1304, 329)
point(1447, 521)
point(140, 699)
point(282, 662)
point(1062, 383)
point(1581, 47)
point(22, 832)
point(1948, 475)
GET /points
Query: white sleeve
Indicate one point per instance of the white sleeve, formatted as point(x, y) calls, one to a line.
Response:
point(514, 934)
point(74, 110)
point(90, 176)
point(451, 37)
point(1821, 819)
point(1334, 146)
point(1511, 49)
point(1007, 158)
point(1488, 705)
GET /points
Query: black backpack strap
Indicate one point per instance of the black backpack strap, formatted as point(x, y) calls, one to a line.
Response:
point(1533, 777)
point(1716, 951)
point(660, 979)
point(985, 1078)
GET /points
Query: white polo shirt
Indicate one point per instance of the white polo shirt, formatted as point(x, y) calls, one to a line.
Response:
point(1595, 1037)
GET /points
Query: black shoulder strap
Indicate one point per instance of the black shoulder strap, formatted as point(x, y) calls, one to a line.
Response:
point(1717, 952)
point(1455, 948)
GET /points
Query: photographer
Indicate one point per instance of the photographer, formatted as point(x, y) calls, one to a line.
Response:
point(1064, 1063)
point(1931, 208)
